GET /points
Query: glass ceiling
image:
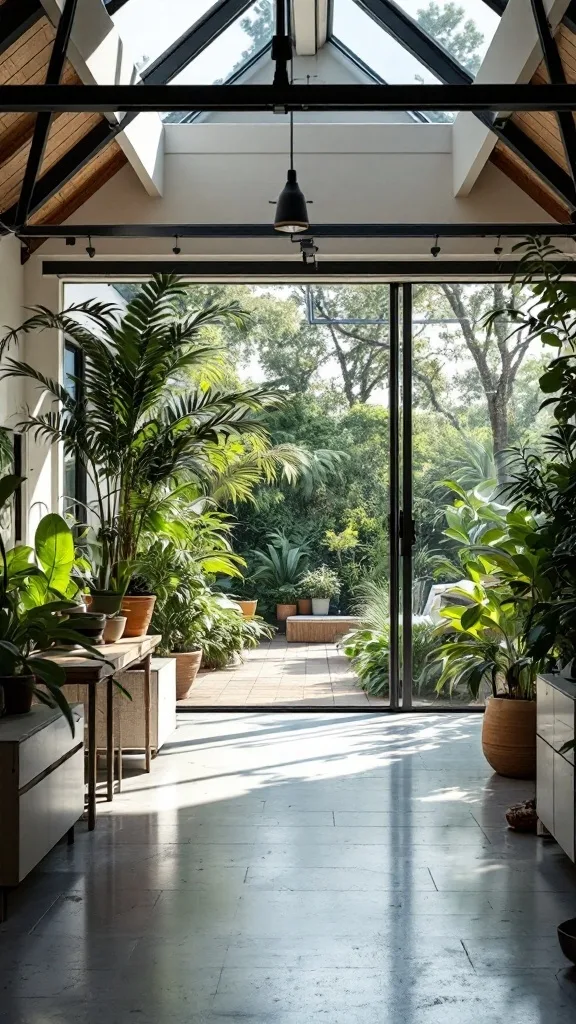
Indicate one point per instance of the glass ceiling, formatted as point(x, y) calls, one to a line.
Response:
point(464, 28)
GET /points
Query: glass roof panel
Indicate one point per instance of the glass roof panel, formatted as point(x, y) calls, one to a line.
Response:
point(380, 51)
point(232, 48)
point(465, 28)
point(148, 28)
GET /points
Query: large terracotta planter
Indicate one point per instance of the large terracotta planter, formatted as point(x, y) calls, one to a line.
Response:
point(138, 610)
point(509, 737)
point(187, 666)
point(284, 610)
point(305, 606)
point(17, 694)
point(248, 608)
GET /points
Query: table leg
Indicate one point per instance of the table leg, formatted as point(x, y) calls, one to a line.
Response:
point(110, 738)
point(147, 710)
point(70, 836)
point(119, 745)
point(91, 758)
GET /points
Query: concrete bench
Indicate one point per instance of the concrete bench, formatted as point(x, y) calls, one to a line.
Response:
point(319, 629)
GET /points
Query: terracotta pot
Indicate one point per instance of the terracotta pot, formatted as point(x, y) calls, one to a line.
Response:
point(187, 666)
point(248, 608)
point(138, 610)
point(284, 610)
point(509, 737)
point(17, 694)
point(114, 629)
point(305, 606)
point(107, 602)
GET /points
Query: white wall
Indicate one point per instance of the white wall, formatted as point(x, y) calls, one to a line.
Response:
point(356, 173)
point(11, 303)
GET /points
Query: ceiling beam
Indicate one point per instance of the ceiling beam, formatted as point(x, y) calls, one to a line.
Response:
point(434, 57)
point(497, 230)
point(210, 270)
point(139, 98)
point(556, 74)
point(17, 16)
point(44, 120)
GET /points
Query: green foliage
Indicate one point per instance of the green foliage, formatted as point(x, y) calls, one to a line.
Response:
point(230, 634)
point(288, 594)
point(322, 583)
point(279, 566)
point(369, 651)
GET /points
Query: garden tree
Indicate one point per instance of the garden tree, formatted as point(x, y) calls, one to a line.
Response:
point(461, 38)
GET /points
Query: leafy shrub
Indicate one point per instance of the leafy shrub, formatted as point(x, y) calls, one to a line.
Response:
point(321, 583)
point(369, 651)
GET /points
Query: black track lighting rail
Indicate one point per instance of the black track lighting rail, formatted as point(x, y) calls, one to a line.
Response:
point(251, 98)
point(180, 231)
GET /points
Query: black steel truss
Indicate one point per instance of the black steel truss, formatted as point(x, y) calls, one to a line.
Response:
point(434, 57)
point(16, 18)
point(279, 270)
point(44, 120)
point(140, 98)
point(441, 231)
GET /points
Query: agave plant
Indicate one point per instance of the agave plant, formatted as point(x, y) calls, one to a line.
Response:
point(138, 433)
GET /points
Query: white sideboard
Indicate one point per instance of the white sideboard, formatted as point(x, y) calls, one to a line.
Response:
point(41, 788)
point(555, 775)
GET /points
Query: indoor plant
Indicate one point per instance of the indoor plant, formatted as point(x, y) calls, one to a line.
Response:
point(322, 584)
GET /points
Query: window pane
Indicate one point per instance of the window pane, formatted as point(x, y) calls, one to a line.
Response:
point(148, 28)
point(385, 55)
point(465, 28)
point(69, 370)
point(233, 48)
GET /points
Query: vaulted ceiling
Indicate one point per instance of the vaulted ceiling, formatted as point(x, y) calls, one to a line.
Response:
point(82, 152)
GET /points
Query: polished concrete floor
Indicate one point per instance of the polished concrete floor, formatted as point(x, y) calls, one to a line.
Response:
point(295, 869)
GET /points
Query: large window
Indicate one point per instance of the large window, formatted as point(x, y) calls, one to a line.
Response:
point(74, 470)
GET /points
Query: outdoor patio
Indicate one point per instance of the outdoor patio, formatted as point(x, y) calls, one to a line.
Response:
point(278, 673)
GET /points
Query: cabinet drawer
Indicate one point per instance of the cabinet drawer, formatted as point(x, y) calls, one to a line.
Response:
point(47, 746)
point(564, 804)
point(48, 810)
point(545, 711)
point(545, 783)
point(564, 709)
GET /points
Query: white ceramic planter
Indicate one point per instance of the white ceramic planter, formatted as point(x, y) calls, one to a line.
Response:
point(320, 605)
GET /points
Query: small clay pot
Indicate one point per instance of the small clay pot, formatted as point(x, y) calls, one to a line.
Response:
point(187, 667)
point(305, 606)
point(138, 609)
point(283, 611)
point(248, 608)
point(18, 693)
point(114, 629)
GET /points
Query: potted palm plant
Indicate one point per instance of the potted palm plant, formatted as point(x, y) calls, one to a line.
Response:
point(322, 584)
point(140, 427)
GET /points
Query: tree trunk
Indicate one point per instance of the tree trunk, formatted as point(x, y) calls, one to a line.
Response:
point(498, 412)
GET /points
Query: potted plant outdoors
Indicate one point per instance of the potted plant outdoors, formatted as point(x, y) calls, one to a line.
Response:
point(304, 600)
point(226, 634)
point(286, 602)
point(140, 436)
point(280, 565)
point(322, 584)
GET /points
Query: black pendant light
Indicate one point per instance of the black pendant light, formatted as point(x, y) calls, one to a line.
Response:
point(291, 213)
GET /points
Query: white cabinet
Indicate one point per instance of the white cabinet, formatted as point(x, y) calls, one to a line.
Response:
point(41, 788)
point(555, 774)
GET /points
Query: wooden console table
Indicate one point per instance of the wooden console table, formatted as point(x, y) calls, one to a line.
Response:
point(41, 789)
point(81, 671)
point(319, 629)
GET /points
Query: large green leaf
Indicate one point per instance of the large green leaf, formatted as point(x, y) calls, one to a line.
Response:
point(8, 485)
point(54, 545)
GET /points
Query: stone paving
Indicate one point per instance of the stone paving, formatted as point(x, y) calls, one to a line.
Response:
point(277, 673)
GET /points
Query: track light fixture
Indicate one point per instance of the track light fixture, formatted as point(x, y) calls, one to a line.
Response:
point(90, 248)
point(435, 250)
point(498, 250)
point(70, 240)
point(291, 212)
point(176, 248)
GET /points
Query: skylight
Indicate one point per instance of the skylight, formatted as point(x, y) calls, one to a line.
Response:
point(148, 28)
point(466, 37)
point(231, 50)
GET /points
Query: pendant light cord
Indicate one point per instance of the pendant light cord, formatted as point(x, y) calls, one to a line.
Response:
point(291, 83)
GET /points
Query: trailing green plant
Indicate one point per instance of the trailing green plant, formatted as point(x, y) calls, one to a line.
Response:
point(230, 634)
point(321, 583)
point(140, 435)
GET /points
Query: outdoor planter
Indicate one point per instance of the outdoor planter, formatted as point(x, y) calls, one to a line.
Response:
point(114, 629)
point(106, 602)
point(304, 606)
point(17, 693)
point(187, 667)
point(509, 737)
point(320, 605)
point(283, 611)
point(138, 609)
point(248, 608)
